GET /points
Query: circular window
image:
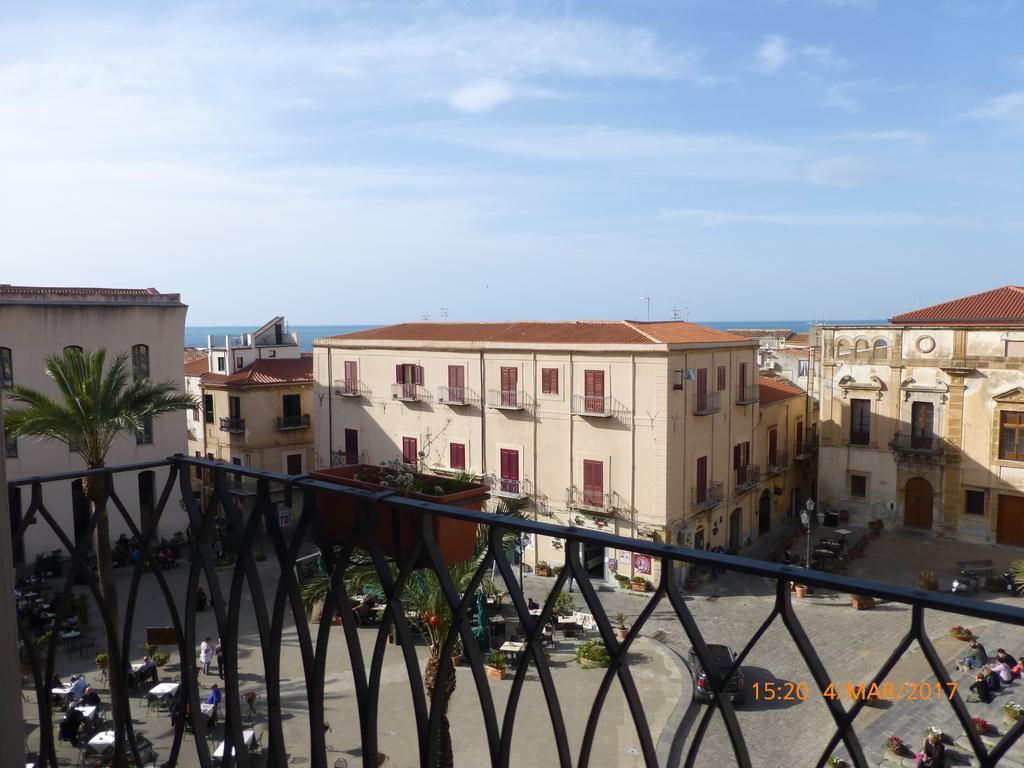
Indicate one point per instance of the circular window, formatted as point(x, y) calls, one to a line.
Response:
point(925, 344)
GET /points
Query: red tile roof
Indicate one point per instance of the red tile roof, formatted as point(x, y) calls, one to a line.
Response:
point(1000, 306)
point(267, 372)
point(196, 366)
point(577, 332)
point(772, 390)
point(780, 334)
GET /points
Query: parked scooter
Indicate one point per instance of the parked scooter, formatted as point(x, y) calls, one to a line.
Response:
point(965, 584)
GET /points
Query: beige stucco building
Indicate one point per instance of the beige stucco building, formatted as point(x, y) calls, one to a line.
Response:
point(257, 396)
point(923, 419)
point(650, 430)
point(38, 321)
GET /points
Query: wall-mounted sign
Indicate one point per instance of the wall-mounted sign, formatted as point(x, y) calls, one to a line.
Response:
point(625, 558)
point(613, 564)
point(642, 564)
point(528, 542)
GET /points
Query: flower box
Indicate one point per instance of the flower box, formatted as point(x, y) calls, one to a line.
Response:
point(494, 673)
point(542, 570)
point(397, 531)
point(639, 587)
point(862, 602)
point(961, 633)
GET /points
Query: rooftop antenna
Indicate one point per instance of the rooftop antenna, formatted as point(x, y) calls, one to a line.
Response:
point(444, 314)
point(425, 317)
point(646, 298)
point(686, 311)
point(675, 313)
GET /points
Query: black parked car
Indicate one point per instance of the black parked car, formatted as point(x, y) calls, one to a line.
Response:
point(722, 658)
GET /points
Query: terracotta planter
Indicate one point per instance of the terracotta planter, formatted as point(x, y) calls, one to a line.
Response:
point(456, 660)
point(494, 673)
point(620, 633)
point(862, 602)
point(591, 664)
point(397, 532)
point(542, 571)
point(639, 587)
point(801, 591)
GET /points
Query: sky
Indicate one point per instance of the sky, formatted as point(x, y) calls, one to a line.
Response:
point(375, 162)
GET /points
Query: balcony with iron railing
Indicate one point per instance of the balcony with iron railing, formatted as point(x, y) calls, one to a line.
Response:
point(235, 426)
point(592, 405)
point(919, 445)
point(408, 393)
point(706, 497)
point(809, 449)
point(707, 403)
point(349, 388)
point(339, 686)
point(747, 477)
point(456, 396)
point(285, 423)
point(747, 394)
point(508, 487)
point(777, 464)
point(589, 500)
point(506, 399)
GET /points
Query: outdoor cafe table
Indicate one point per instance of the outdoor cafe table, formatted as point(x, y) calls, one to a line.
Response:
point(512, 650)
point(248, 737)
point(161, 691)
point(62, 691)
point(88, 711)
point(101, 743)
point(843, 533)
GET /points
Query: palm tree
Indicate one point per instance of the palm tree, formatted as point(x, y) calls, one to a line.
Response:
point(96, 405)
point(424, 595)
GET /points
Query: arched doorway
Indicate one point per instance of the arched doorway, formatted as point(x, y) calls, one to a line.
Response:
point(734, 529)
point(764, 512)
point(917, 506)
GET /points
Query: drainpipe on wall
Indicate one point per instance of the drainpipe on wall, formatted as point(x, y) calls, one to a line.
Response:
point(483, 416)
point(330, 410)
point(12, 726)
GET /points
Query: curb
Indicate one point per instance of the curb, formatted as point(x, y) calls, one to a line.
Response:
point(677, 727)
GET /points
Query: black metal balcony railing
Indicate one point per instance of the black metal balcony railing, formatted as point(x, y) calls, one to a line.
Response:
point(777, 464)
point(506, 399)
point(591, 499)
point(407, 392)
point(747, 394)
point(747, 477)
point(707, 497)
point(917, 444)
point(246, 594)
point(511, 487)
point(707, 403)
point(455, 396)
point(348, 388)
point(293, 422)
point(232, 425)
point(591, 405)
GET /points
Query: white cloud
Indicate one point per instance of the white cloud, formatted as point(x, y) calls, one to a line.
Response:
point(1008, 107)
point(772, 54)
point(824, 58)
point(856, 219)
point(481, 96)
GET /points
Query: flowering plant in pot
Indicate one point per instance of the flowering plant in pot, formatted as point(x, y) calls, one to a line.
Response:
point(927, 580)
point(1013, 711)
point(837, 762)
point(981, 725)
point(621, 630)
point(961, 633)
point(398, 531)
point(542, 568)
point(639, 584)
point(862, 602)
point(592, 654)
point(895, 745)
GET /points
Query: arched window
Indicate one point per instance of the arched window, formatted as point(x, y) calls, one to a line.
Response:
point(860, 348)
point(140, 361)
point(6, 367)
point(880, 349)
point(843, 348)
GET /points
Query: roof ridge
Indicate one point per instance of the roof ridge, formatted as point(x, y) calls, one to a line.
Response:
point(642, 332)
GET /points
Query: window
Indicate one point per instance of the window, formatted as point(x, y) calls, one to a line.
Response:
point(740, 455)
point(701, 494)
point(409, 376)
point(860, 348)
point(351, 376)
point(1011, 435)
point(593, 391)
point(410, 454)
point(509, 470)
point(773, 447)
point(10, 446)
point(237, 461)
point(147, 485)
point(702, 388)
point(843, 348)
point(593, 483)
point(145, 435)
point(456, 383)
point(549, 381)
point(1015, 348)
point(721, 378)
point(921, 419)
point(6, 367)
point(974, 502)
point(239, 363)
point(801, 369)
point(235, 407)
point(743, 378)
point(291, 409)
point(880, 349)
point(860, 421)
point(858, 486)
point(208, 408)
point(510, 387)
point(140, 362)
point(220, 362)
point(457, 455)
point(294, 463)
point(799, 437)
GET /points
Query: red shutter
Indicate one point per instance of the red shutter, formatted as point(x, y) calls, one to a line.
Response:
point(702, 479)
point(743, 378)
point(799, 437)
point(736, 456)
point(721, 378)
point(509, 470)
point(593, 483)
point(554, 381)
point(702, 389)
point(417, 374)
point(545, 381)
point(593, 391)
point(509, 384)
point(399, 374)
point(409, 453)
point(773, 446)
point(457, 456)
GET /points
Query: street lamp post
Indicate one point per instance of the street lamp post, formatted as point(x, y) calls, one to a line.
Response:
point(805, 518)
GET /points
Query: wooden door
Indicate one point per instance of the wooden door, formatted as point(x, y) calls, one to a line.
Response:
point(351, 446)
point(509, 387)
point(294, 463)
point(1010, 525)
point(593, 391)
point(917, 512)
point(593, 483)
point(351, 376)
point(410, 454)
point(702, 480)
point(456, 383)
point(509, 470)
point(702, 389)
point(773, 447)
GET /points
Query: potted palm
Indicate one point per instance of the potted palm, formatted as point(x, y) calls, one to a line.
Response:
point(96, 405)
point(621, 630)
point(495, 665)
point(397, 535)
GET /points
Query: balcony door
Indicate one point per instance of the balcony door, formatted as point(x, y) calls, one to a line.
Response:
point(291, 407)
point(351, 376)
point(509, 470)
point(352, 446)
point(922, 417)
point(410, 452)
point(702, 389)
point(593, 391)
point(773, 447)
point(702, 480)
point(593, 483)
point(510, 387)
point(457, 383)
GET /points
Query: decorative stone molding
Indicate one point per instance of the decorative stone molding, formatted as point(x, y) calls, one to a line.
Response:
point(874, 384)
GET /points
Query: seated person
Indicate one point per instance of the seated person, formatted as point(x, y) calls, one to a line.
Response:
point(1013, 665)
point(934, 753)
point(1003, 670)
point(147, 671)
point(976, 657)
point(209, 707)
point(980, 687)
point(215, 696)
point(991, 678)
point(532, 604)
point(89, 699)
point(69, 726)
point(77, 690)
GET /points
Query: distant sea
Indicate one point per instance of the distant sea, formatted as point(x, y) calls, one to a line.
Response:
point(195, 335)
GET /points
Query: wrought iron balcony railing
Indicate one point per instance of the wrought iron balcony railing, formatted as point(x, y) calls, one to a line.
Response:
point(267, 595)
point(747, 477)
point(508, 487)
point(592, 405)
point(349, 388)
point(409, 393)
point(747, 394)
point(707, 497)
point(456, 396)
point(707, 403)
point(293, 422)
point(506, 399)
point(598, 501)
point(809, 449)
point(926, 445)
point(235, 426)
point(778, 464)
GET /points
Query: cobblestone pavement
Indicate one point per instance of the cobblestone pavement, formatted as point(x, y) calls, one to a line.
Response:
point(784, 732)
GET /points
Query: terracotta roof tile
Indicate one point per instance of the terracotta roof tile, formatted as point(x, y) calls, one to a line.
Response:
point(267, 372)
point(1000, 306)
point(780, 334)
point(577, 332)
point(197, 366)
point(772, 390)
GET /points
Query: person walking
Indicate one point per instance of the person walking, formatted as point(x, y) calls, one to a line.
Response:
point(205, 653)
point(219, 653)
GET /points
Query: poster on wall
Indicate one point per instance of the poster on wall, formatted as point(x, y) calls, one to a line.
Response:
point(642, 564)
point(613, 564)
point(625, 559)
point(527, 542)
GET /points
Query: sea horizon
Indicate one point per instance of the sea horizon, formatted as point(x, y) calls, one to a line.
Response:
point(196, 335)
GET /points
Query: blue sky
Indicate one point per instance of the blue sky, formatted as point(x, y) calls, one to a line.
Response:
point(368, 162)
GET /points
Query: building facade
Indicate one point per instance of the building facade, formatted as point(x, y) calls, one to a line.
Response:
point(257, 396)
point(39, 321)
point(923, 418)
point(644, 429)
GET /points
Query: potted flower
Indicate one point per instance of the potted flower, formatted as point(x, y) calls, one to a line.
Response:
point(592, 654)
point(397, 534)
point(639, 584)
point(621, 630)
point(1013, 711)
point(927, 580)
point(494, 665)
point(961, 633)
point(623, 580)
point(556, 570)
point(564, 604)
point(895, 745)
point(160, 658)
point(981, 725)
point(862, 602)
point(542, 568)
point(801, 590)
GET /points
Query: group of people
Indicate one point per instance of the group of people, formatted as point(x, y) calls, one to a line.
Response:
point(129, 551)
point(991, 675)
point(79, 694)
point(207, 653)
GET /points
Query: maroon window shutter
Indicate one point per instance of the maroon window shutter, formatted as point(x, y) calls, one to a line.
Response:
point(554, 381)
point(399, 374)
point(350, 370)
point(417, 375)
point(773, 446)
point(743, 376)
point(593, 383)
point(409, 452)
point(457, 456)
point(799, 437)
point(545, 381)
point(736, 456)
point(593, 482)
point(702, 479)
point(721, 378)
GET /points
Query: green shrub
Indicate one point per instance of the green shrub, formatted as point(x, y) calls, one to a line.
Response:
point(160, 658)
point(101, 660)
point(564, 604)
point(593, 650)
point(495, 659)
